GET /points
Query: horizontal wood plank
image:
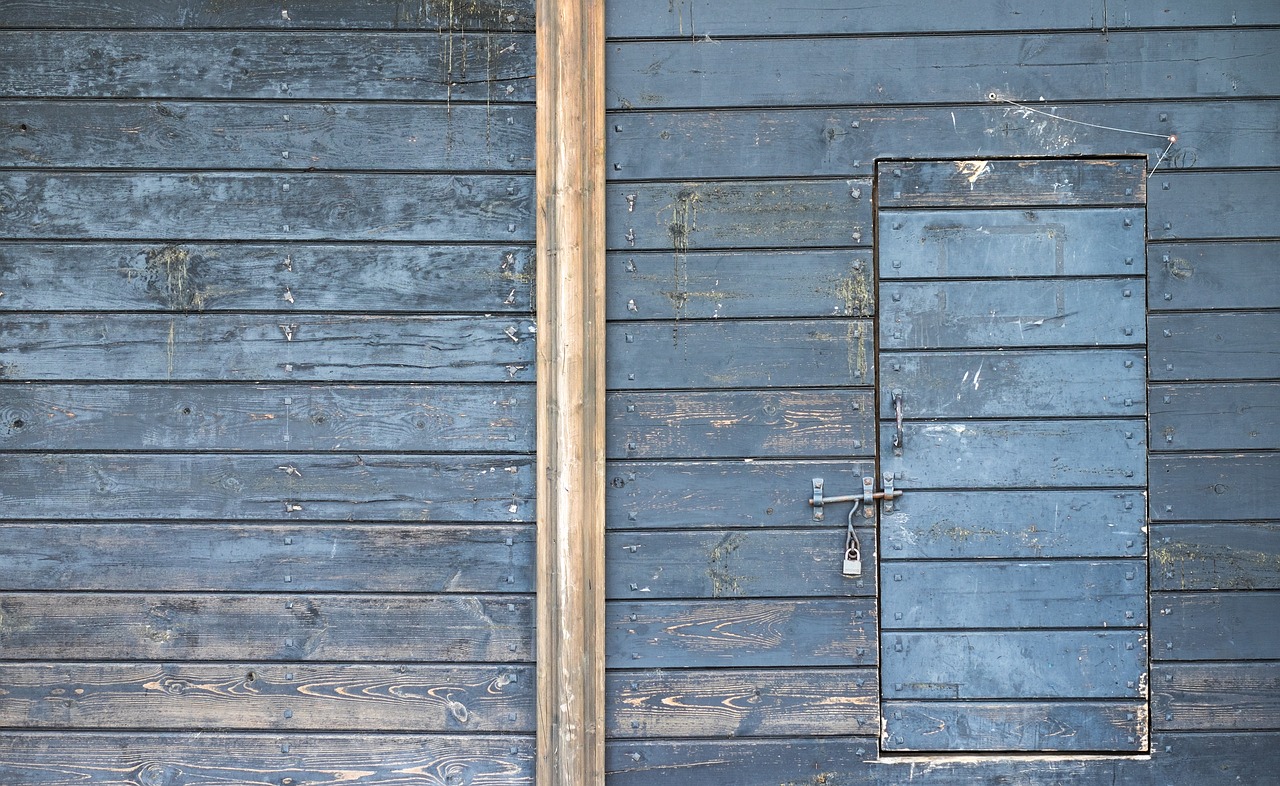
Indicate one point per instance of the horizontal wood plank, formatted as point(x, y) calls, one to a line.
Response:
point(715, 494)
point(996, 454)
point(742, 703)
point(1010, 243)
point(298, 65)
point(1215, 556)
point(257, 207)
point(1214, 205)
point(729, 354)
point(440, 418)
point(177, 627)
point(1222, 275)
point(735, 563)
point(1215, 626)
point(179, 276)
point(1214, 486)
point(67, 759)
point(1014, 383)
point(704, 285)
point(924, 70)
point(266, 558)
point(744, 633)
point(1214, 346)
point(1244, 757)
point(242, 135)
point(1045, 182)
point(274, 487)
point(965, 314)
point(1031, 595)
point(1239, 696)
point(262, 696)
point(300, 15)
point(840, 141)
point(1037, 664)
point(1014, 524)
point(252, 347)
point(1078, 727)
point(751, 424)
point(685, 216)
point(1231, 416)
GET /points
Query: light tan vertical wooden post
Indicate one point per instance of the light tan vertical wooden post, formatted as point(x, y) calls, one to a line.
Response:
point(570, 302)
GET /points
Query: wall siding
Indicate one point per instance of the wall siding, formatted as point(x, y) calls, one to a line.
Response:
point(266, 401)
point(741, 142)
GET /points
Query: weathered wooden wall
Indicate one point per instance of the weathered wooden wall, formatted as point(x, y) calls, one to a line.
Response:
point(266, 401)
point(742, 138)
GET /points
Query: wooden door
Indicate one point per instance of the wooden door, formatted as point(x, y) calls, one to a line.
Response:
point(1012, 412)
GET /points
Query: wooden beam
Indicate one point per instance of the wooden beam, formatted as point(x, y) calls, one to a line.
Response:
point(571, 417)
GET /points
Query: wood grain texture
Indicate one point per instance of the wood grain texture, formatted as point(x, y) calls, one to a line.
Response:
point(1215, 626)
point(262, 696)
point(1010, 243)
point(266, 558)
point(1014, 383)
point(925, 70)
point(964, 314)
point(116, 417)
point(1037, 664)
point(715, 494)
point(431, 16)
point(316, 66)
point(1032, 595)
point(209, 759)
point(744, 633)
point(751, 424)
point(742, 703)
point(735, 564)
point(1013, 453)
point(271, 487)
point(1215, 696)
point(1044, 182)
point(1214, 205)
point(1222, 275)
point(1215, 556)
point(731, 285)
point(187, 277)
point(1214, 486)
point(1214, 346)
point(1079, 727)
point(1175, 758)
point(253, 135)
point(247, 347)
point(720, 354)
point(257, 207)
point(1230, 416)
point(788, 214)
point(840, 141)
point(1013, 524)
point(177, 627)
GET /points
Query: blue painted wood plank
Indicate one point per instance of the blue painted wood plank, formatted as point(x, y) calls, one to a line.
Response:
point(736, 563)
point(1023, 595)
point(1077, 726)
point(1214, 486)
point(1199, 205)
point(1222, 275)
point(740, 632)
point(715, 494)
point(1215, 625)
point(1215, 696)
point(965, 314)
point(1215, 346)
point(1038, 664)
point(1230, 416)
point(1014, 383)
point(1011, 243)
point(1015, 524)
point(1215, 556)
point(1031, 454)
point(721, 354)
point(1044, 182)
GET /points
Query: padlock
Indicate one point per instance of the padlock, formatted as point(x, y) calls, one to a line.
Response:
point(852, 563)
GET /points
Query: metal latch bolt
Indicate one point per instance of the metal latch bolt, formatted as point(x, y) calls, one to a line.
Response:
point(852, 564)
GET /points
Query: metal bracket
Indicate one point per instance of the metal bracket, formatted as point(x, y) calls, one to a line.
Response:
point(866, 499)
point(816, 500)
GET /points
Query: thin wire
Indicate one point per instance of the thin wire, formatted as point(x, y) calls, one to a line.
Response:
point(1173, 138)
